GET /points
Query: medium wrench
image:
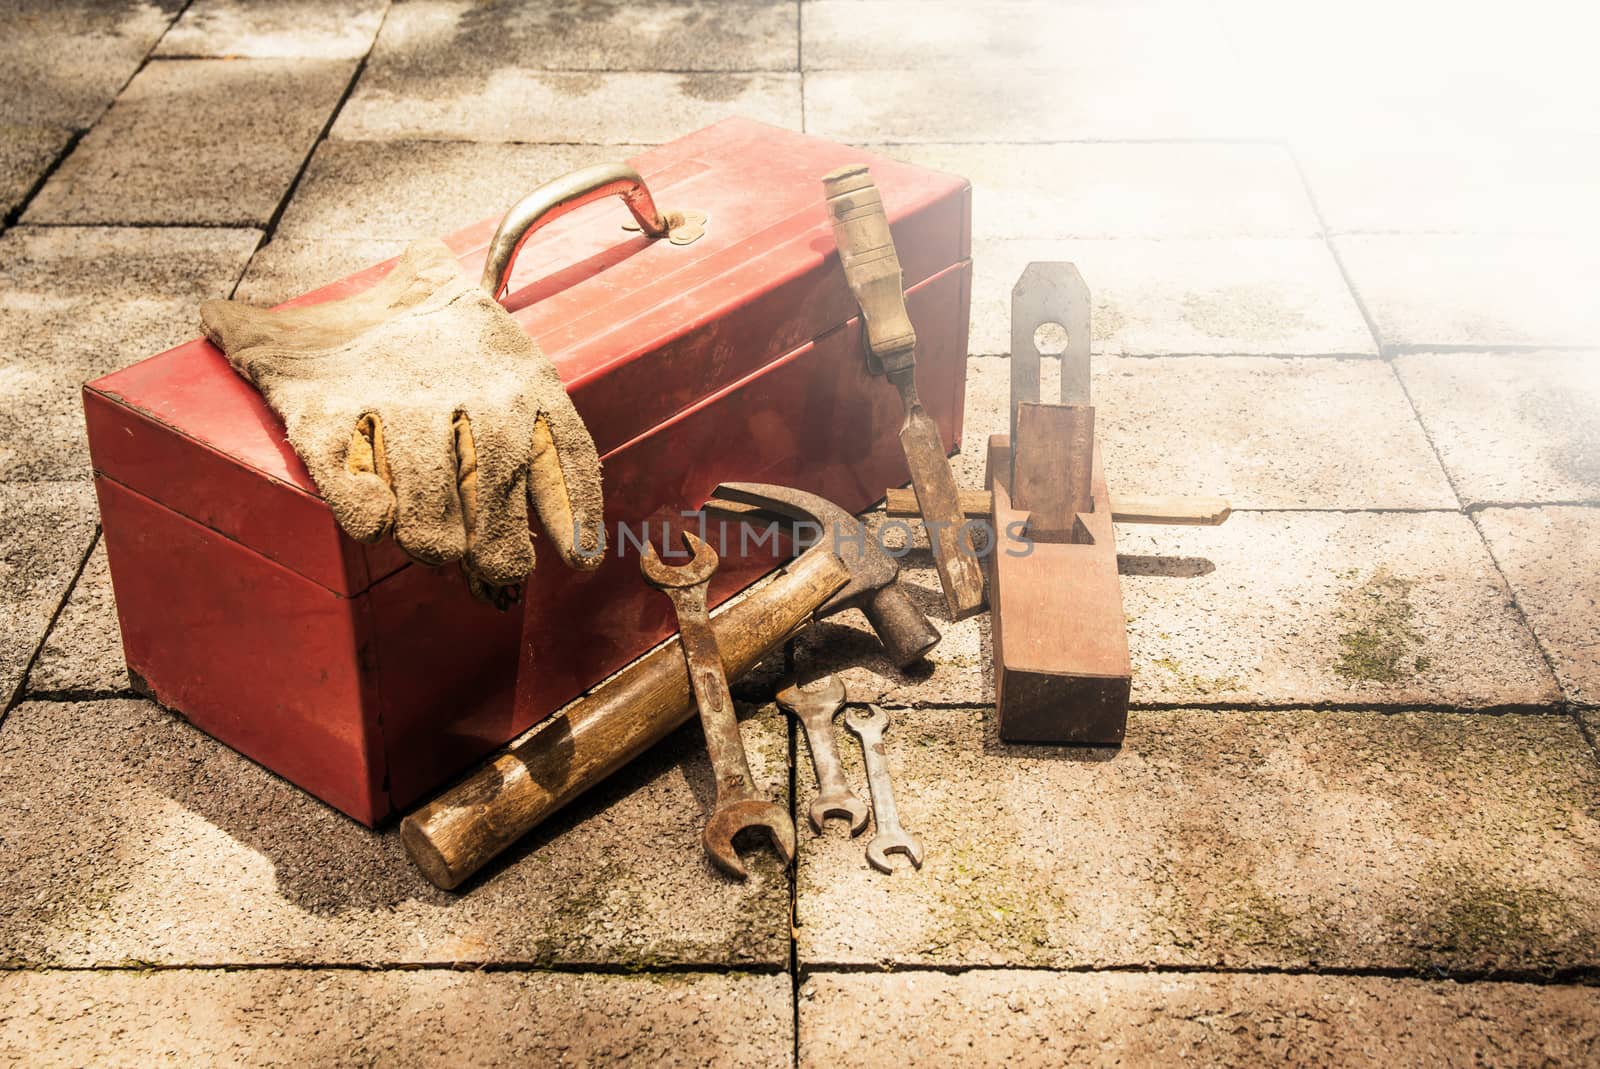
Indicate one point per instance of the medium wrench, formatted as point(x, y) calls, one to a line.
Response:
point(891, 838)
point(738, 805)
point(814, 709)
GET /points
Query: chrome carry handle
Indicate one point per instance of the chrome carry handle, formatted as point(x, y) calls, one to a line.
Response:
point(558, 197)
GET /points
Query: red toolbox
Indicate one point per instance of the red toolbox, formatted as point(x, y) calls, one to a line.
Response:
point(369, 680)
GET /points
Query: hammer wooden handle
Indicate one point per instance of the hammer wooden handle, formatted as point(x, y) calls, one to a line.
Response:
point(454, 835)
point(1170, 510)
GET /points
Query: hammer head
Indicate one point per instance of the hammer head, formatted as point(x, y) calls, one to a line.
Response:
point(873, 587)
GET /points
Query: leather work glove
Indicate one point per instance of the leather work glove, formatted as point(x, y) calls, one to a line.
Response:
point(420, 407)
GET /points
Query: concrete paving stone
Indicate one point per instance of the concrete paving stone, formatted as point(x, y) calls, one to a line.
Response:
point(83, 652)
point(279, 29)
point(409, 189)
point(1551, 557)
point(456, 47)
point(287, 267)
point(518, 104)
point(1125, 190)
point(1444, 843)
point(26, 153)
point(1265, 433)
point(1440, 291)
point(1371, 72)
point(1325, 608)
point(276, 1017)
point(61, 63)
point(1015, 1018)
point(77, 303)
point(874, 35)
point(1249, 297)
point(1511, 427)
point(216, 141)
point(45, 529)
point(1092, 96)
point(1480, 186)
point(132, 837)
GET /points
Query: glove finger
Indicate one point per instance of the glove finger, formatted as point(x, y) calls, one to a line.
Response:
point(564, 486)
point(420, 450)
point(351, 471)
point(494, 504)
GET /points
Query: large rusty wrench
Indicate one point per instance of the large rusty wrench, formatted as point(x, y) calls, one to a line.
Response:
point(814, 708)
point(872, 267)
point(738, 805)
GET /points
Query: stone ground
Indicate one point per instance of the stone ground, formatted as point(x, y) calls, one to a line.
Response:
point(1344, 270)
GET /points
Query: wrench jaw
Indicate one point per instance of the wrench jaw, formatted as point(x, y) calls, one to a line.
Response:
point(664, 576)
point(735, 817)
point(881, 846)
point(848, 807)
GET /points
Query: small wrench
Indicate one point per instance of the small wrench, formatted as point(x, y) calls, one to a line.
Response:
point(738, 805)
point(814, 709)
point(891, 838)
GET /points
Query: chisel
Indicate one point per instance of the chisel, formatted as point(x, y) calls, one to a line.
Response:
point(872, 268)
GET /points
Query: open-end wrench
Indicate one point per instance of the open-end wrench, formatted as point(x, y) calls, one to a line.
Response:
point(738, 805)
point(869, 727)
point(814, 709)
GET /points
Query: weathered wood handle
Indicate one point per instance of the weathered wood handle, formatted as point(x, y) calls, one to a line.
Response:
point(458, 832)
point(871, 266)
point(1170, 510)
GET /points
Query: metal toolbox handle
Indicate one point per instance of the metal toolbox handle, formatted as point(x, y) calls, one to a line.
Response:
point(561, 195)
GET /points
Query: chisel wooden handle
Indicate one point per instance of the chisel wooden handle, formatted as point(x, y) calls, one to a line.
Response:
point(871, 265)
point(454, 835)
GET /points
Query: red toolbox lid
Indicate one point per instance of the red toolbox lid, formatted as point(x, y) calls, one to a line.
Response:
point(639, 330)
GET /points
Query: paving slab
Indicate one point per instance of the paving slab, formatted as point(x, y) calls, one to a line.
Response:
point(278, 29)
point(1089, 96)
point(1442, 291)
point(132, 837)
point(26, 153)
point(1267, 297)
point(62, 63)
point(298, 1017)
point(1551, 557)
point(1026, 1018)
point(409, 189)
point(45, 530)
point(1326, 608)
point(80, 302)
point(599, 107)
point(1128, 190)
point(287, 267)
point(214, 141)
point(1511, 427)
point(1481, 186)
point(82, 655)
point(1444, 843)
point(1264, 432)
point(457, 47)
point(874, 35)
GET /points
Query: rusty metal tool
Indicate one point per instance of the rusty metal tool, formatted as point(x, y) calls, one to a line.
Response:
point(891, 838)
point(814, 708)
point(872, 268)
point(874, 587)
point(738, 805)
point(512, 793)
